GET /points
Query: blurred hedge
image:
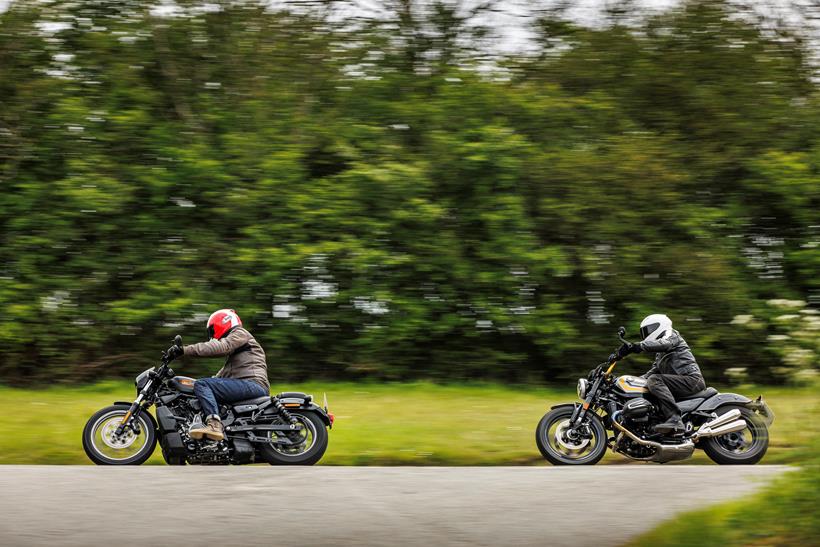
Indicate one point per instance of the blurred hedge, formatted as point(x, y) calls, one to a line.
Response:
point(390, 197)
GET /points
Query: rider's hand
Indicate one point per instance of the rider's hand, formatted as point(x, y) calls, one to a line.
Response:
point(173, 352)
point(623, 351)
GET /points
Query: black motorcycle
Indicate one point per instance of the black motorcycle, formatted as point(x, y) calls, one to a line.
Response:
point(288, 429)
point(614, 412)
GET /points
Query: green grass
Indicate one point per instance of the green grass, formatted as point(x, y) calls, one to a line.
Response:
point(785, 513)
point(376, 424)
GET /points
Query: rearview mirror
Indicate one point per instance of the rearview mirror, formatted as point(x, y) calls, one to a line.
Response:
point(178, 340)
point(621, 331)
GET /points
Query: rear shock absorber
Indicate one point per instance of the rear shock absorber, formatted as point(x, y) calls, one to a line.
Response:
point(284, 411)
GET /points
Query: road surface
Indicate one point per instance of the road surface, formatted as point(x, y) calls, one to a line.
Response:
point(355, 506)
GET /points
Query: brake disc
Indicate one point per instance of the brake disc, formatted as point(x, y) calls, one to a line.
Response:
point(566, 442)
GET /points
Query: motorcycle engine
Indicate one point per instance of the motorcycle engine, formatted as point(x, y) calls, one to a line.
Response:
point(637, 409)
point(201, 452)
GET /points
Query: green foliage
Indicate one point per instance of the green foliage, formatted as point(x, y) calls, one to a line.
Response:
point(389, 199)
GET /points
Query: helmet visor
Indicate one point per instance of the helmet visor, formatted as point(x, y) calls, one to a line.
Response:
point(649, 329)
point(210, 331)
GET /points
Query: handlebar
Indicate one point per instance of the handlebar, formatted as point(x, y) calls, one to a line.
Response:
point(178, 344)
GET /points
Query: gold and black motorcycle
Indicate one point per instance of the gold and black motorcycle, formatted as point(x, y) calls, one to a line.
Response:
point(618, 412)
point(288, 429)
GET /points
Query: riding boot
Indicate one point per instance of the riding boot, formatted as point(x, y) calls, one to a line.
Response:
point(215, 431)
point(212, 429)
point(673, 424)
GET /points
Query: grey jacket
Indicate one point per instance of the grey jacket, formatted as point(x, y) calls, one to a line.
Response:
point(245, 357)
point(672, 356)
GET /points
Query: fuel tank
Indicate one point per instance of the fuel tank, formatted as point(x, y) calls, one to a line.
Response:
point(182, 383)
point(630, 386)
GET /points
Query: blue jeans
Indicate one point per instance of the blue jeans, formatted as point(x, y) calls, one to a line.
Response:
point(212, 391)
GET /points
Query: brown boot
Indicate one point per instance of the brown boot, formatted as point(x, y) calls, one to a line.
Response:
point(215, 431)
point(212, 429)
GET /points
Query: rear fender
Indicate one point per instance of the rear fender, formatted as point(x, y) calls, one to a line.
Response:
point(290, 403)
point(721, 399)
point(320, 411)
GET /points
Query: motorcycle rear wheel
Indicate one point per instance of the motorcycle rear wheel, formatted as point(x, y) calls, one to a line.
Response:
point(315, 439)
point(745, 447)
point(554, 442)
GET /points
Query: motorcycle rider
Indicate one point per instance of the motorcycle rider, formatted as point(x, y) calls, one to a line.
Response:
point(243, 376)
point(675, 373)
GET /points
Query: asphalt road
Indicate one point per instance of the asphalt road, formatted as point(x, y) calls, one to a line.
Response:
point(425, 506)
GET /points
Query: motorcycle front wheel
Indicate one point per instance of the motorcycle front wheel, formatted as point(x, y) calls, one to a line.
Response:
point(103, 447)
point(561, 445)
point(308, 444)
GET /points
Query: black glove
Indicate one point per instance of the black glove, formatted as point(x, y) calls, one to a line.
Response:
point(623, 351)
point(173, 352)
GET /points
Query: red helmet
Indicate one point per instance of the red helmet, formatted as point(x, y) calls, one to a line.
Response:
point(221, 322)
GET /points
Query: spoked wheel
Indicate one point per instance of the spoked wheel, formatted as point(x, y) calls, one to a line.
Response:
point(744, 447)
point(104, 447)
point(306, 445)
point(562, 445)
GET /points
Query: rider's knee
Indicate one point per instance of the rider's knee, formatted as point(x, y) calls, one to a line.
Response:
point(654, 381)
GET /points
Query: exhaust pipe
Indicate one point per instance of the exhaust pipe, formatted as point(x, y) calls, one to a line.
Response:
point(727, 423)
point(730, 416)
point(737, 425)
point(663, 452)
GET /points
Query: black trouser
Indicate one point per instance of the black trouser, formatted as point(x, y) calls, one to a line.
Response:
point(665, 387)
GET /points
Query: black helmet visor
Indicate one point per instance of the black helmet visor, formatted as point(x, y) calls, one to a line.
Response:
point(649, 329)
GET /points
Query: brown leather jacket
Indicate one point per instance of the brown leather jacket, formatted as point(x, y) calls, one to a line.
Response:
point(245, 357)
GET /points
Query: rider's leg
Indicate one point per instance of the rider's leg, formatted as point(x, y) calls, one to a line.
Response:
point(206, 396)
point(212, 428)
point(211, 392)
point(666, 401)
point(230, 390)
point(665, 387)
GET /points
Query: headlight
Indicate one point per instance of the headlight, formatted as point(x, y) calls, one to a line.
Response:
point(142, 379)
point(582, 389)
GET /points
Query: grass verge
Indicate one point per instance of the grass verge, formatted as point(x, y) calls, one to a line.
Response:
point(785, 513)
point(377, 424)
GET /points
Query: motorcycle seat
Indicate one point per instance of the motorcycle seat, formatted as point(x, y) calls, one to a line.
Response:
point(292, 395)
point(256, 401)
point(703, 394)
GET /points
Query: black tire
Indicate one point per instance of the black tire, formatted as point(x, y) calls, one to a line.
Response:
point(720, 449)
point(109, 414)
point(555, 417)
point(316, 426)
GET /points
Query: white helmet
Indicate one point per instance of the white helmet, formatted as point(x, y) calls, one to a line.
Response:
point(655, 327)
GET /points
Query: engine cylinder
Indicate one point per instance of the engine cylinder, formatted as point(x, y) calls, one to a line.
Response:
point(637, 408)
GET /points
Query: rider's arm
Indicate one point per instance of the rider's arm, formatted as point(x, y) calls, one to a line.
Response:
point(659, 346)
point(219, 348)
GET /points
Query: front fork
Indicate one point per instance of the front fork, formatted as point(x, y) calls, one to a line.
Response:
point(130, 418)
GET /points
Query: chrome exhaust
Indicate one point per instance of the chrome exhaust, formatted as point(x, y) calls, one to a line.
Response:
point(730, 416)
point(726, 423)
point(732, 427)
